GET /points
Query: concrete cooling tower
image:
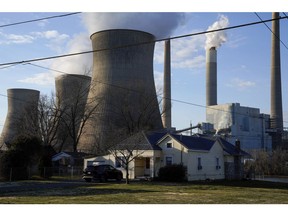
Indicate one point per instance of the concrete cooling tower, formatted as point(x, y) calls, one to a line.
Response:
point(21, 117)
point(123, 90)
point(71, 95)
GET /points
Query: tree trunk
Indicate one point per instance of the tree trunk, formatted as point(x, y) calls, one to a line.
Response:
point(127, 175)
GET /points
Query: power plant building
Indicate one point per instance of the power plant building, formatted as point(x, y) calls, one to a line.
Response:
point(123, 91)
point(245, 124)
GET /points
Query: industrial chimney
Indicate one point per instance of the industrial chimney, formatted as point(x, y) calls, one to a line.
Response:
point(71, 95)
point(276, 92)
point(166, 116)
point(211, 76)
point(123, 92)
point(22, 115)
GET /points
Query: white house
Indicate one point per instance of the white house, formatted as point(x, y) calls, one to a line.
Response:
point(204, 157)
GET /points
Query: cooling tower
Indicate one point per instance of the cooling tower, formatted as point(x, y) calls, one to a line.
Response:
point(276, 92)
point(22, 115)
point(211, 77)
point(123, 92)
point(71, 94)
point(166, 116)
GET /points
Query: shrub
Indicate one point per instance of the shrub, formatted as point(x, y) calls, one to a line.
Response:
point(174, 173)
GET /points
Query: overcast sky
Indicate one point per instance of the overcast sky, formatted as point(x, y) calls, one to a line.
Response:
point(243, 55)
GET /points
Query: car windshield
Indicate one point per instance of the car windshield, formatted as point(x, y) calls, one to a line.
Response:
point(94, 168)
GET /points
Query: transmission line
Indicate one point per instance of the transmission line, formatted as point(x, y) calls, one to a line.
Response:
point(40, 19)
point(137, 44)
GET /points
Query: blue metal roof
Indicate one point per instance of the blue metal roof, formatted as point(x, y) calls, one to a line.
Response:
point(230, 148)
point(194, 143)
point(154, 137)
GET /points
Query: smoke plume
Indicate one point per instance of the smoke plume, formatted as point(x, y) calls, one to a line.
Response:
point(159, 24)
point(216, 39)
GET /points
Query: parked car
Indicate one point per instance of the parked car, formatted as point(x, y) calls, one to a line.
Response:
point(101, 172)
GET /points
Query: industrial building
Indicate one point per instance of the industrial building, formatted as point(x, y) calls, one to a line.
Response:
point(255, 130)
point(246, 124)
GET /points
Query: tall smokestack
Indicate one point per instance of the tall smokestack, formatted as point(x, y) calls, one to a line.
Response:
point(211, 76)
point(21, 117)
point(276, 92)
point(124, 94)
point(166, 118)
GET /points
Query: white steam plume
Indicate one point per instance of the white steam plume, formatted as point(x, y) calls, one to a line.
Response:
point(159, 24)
point(216, 39)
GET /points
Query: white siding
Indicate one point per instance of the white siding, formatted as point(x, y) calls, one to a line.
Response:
point(208, 162)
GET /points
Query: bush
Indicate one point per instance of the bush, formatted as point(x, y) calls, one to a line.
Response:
point(23, 153)
point(174, 173)
point(14, 160)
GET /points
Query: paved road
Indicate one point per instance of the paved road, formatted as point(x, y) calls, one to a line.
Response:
point(273, 179)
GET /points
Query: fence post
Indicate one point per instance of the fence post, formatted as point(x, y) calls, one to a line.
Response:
point(71, 172)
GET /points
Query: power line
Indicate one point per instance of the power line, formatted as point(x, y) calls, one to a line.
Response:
point(129, 89)
point(176, 37)
point(272, 31)
point(137, 44)
point(40, 19)
point(137, 91)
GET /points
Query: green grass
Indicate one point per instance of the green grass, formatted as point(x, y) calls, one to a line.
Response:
point(224, 192)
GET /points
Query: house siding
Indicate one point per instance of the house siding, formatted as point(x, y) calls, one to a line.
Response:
point(208, 163)
point(216, 162)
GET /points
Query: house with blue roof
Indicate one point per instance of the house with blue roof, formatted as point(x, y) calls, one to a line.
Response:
point(204, 157)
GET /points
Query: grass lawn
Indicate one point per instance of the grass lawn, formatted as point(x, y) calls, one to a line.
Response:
point(223, 192)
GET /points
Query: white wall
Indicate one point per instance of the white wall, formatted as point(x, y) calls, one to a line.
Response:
point(208, 162)
point(190, 159)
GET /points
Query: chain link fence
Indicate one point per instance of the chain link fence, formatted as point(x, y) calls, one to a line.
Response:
point(26, 173)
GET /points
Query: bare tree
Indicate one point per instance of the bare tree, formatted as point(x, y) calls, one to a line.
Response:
point(49, 116)
point(77, 110)
point(127, 151)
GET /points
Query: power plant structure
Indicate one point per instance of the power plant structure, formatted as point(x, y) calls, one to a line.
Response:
point(246, 124)
point(211, 76)
point(22, 115)
point(276, 90)
point(71, 95)
point(123, 94)
point(255, 130)
point(232, 121)
point(120, 99)
point(166, 116)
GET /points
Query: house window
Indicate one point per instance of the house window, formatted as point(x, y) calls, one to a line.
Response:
point(169, 145)
point(169, 161)
point(199, 163)
point(217, 164)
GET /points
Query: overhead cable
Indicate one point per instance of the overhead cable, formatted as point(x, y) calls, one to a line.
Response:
point(137, 44)
point(40, 19)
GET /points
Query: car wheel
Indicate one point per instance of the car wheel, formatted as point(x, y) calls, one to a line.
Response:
point(88, 179)
point(103, 179)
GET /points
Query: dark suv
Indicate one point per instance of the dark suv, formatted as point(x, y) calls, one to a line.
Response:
point(102, 173)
